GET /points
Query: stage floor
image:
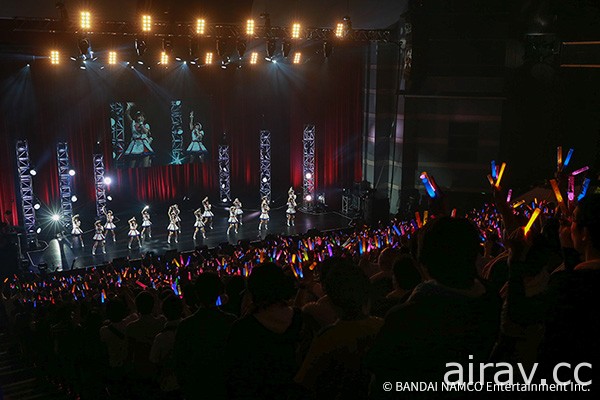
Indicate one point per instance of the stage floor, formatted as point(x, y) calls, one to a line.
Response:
point(60, 256)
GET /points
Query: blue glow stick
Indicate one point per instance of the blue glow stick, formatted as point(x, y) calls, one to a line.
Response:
point(218, 302)
point(584, 189)
point(494, 170)
point(428, 186)
point(397, 230)
point(568, 158)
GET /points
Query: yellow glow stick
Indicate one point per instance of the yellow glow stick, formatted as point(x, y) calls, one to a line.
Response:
point(518, 203)
point(425, 215)
point(558, 195)
point(532, 219)
point(500, 173)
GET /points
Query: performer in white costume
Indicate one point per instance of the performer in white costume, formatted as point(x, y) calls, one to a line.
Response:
point(133, 232)
point(76, 231)
point(264, 213)
point(238, 210)
point(146, 224)
point(233, 221)
point(98, 238)
point(199, 224)
point(196, 149)
point(208, 214)
point(110, 224)
point(139, 149)
point(291, 207)
point(173, 228)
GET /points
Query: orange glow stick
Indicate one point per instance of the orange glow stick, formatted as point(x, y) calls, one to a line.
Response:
point(453, 214)
point(532, 219)
point(418, 219)
point(558, 195)
point(500, 173)
point(559, 161)
point(490, 179)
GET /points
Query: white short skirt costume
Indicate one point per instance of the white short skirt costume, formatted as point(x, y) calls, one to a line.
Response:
point(110, 225)
point(140, 141)
point(76, 228)
point(232, 215)
point(291, 207)
point(133, 229)
point(146, 220)
point(172, 227)
point(264, 212)
point(196, 145)
point(198, 223)
point(238, 209)
point(207, 213)
point(99, 235)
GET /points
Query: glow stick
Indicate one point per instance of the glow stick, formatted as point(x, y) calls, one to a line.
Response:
point(396, 230)
point(568, 158)
point(532, 219)
point(559, 162)
point(558, 195)
point(500, 173)
point(580, 170)
point(425, 216)
point(140, 284)
point(428, 185)
point(571, 189)
point(509, 195)
point(494, 170)
point(518, 203)
point(584, 189)
point(418, 219)
point(453, 213)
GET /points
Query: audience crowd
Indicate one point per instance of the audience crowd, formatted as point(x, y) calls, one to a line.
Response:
point(326, 315)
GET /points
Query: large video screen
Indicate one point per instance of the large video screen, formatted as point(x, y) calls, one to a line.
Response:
point(149, 133)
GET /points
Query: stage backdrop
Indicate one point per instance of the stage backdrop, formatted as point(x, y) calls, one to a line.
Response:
point(46, 105)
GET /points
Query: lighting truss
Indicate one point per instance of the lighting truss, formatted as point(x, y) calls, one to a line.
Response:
point(62, 155)
point(117, 127)
point(176, 132)
point(164, 29)
point(265, 164)
point(26, 190)
point(99, 184)
point(308, 165)
point(224, 173)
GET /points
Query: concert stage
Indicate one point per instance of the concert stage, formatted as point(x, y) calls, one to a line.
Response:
point(59, 256)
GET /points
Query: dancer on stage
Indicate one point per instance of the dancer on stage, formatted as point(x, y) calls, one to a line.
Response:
point(238, 211)
point(177, 218)
point(264, 213)
point(233, 221)
point(208, 214)
point(291, 207)
point(76, 231)
point(139, 149)
point(146, 223)
point(196, 149)
point(98, 238)
point(173, 228)
point(110, 225)
point(199, 224)
point(133, 232)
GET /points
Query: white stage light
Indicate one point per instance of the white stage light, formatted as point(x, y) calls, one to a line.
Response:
point(109, 198)
point(37, 206)
point(308, 175)
point(55, 217)
point(308, 197)
point(32, 172)
point(72, 172)
point(73, 198)
point(107, 180)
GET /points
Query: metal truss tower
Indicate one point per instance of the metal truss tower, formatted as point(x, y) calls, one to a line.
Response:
point(117, 128)
point(62, 155)
point(224, 173)
point(265, 164)
point(26, 190)
point(99, 184)
point(176, 133)
point(308, 166)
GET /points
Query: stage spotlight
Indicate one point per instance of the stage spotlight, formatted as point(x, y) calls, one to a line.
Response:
point(54, 57)
point(73, 198)
point(140, 47)
point(339, 30)
point(37, 206)
point(85, 20)
point(241, 47)
point(253, 58)
point(223, 186)
point(112, 57)
point(107, 180)
point(308, 175)
point(297, 57)
point(308, 197)
point(265, 179)
point(109, 198)
point(286, 47)
point(164, 58)
point(208, 59)
point(271, 43)
point(38, 230)
point(72, 172)
point(55, 217)
point(146, 23)
point(32, 172)
point(296, 31)
point(250, 27)
point(327, 49)
point(200, 26)
point(224, 200)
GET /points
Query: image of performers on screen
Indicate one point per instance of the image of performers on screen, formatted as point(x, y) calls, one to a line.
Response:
point(139, 151)
point(196, 149)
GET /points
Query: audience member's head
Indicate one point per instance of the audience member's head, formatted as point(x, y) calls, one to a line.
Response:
point(269, 285)
point(348, 289)
point(208, 289)
point(172, 308)
point(448, 249)
point(406, 273)
point(144, 303)
point(387, 258)
point(585, 230)
point(116, 310)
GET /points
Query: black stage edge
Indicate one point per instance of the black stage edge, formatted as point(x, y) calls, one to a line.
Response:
point(60, 256)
